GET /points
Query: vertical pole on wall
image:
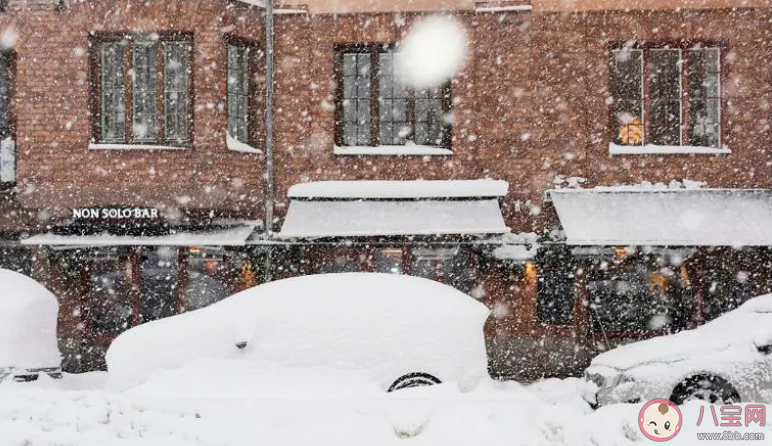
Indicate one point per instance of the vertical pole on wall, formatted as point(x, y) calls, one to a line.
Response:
point(268, 134)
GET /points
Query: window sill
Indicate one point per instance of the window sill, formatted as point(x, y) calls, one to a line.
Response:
point(235, 145)
point(406, 150)
point(94, 146)
point(650, 149)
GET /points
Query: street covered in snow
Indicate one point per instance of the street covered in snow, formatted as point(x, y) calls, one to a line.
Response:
point(76, 411)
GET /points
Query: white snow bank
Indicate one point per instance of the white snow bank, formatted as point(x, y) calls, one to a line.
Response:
point(432, 52)
point(412, 189)
point(549, 413)
point(28, 318)
point(378, 325)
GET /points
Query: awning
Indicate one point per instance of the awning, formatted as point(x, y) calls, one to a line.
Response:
point(362, 218)
point(232, 236)
point(671, 217)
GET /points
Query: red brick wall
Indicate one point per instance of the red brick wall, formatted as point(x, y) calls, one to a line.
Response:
point(531, 102)
point(57, 171)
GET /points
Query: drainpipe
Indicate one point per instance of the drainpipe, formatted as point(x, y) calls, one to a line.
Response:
point(269, 199)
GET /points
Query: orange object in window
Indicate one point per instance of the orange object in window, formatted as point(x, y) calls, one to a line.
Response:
point(631, 133)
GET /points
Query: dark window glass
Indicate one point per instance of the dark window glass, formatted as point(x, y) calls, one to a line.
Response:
point(665, 92)
point(7, 144)
point(176, 85)
point(627, 95)
point(238, 92)
point(159, 282)
point(356, 99)
point(113, 91)
point(145, 92)
point(704, 97)
point(555, 296)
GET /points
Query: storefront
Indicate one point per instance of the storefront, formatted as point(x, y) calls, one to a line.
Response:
point(117, 268)
point(633, 264)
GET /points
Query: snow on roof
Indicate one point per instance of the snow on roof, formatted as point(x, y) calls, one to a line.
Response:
point(235, 236)
point(680, 217)
point(28, 318)
point(400, 189)
point(384, 218)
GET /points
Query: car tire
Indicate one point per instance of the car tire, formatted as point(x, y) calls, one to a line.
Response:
point(708, 388)
point(414, 380)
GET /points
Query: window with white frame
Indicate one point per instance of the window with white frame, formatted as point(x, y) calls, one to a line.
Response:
point(666, 95)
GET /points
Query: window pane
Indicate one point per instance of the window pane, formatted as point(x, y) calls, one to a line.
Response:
point(356, 99)
point(144, 91)
point(665, 91)
point(176, 84)
point(627, 96)
point(388, 261)
point(159, 282)
point(704, 97)
point(238, 92)
point(392, 103)
point(5, 88)
point(113, 109)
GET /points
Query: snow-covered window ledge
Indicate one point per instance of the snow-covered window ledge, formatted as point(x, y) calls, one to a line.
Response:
point(651, 149)
point(110, 146)
point(406, 150)
point(235, 145)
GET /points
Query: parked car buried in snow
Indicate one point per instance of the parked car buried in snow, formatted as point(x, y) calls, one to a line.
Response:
point(726, 360)
point(28, 318)
point(349, 331)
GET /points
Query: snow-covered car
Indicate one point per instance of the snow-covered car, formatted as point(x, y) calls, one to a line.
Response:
point(28, 318)
point(726, 360)
point(347, 331)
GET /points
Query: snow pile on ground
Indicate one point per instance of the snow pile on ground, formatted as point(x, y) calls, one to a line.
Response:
point(432, 52)
point(548, 413)
point(28, 317)
point(379, 326)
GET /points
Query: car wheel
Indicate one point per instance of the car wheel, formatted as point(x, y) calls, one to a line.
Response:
point(414, 380)
point(711, 389)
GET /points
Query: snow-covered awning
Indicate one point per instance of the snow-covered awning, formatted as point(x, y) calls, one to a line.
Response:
point(685, 217)
point(232, 236)
point(394, 208)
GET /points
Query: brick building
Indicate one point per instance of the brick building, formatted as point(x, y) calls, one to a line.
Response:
point(128, 223)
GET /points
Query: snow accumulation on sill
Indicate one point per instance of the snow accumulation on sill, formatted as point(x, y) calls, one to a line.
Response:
point(94, 146)
point(651, 149)
point(406, 150)
point(504, 8)
point(238, 146)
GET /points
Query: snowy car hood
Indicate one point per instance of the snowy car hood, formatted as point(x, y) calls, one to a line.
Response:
point(742, 329)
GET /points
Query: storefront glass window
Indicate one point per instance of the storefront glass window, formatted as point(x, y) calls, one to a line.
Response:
point(389, 261)
point(159, 282)
point(447, 265)
point(109, 303)
point(640, 299)
point(207, 278)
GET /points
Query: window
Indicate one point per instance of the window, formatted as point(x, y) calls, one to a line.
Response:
point(376, 108)
point(555, 290)
point(667, 95)
point(144, 81)
point(244, 92)
point(7, 145)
